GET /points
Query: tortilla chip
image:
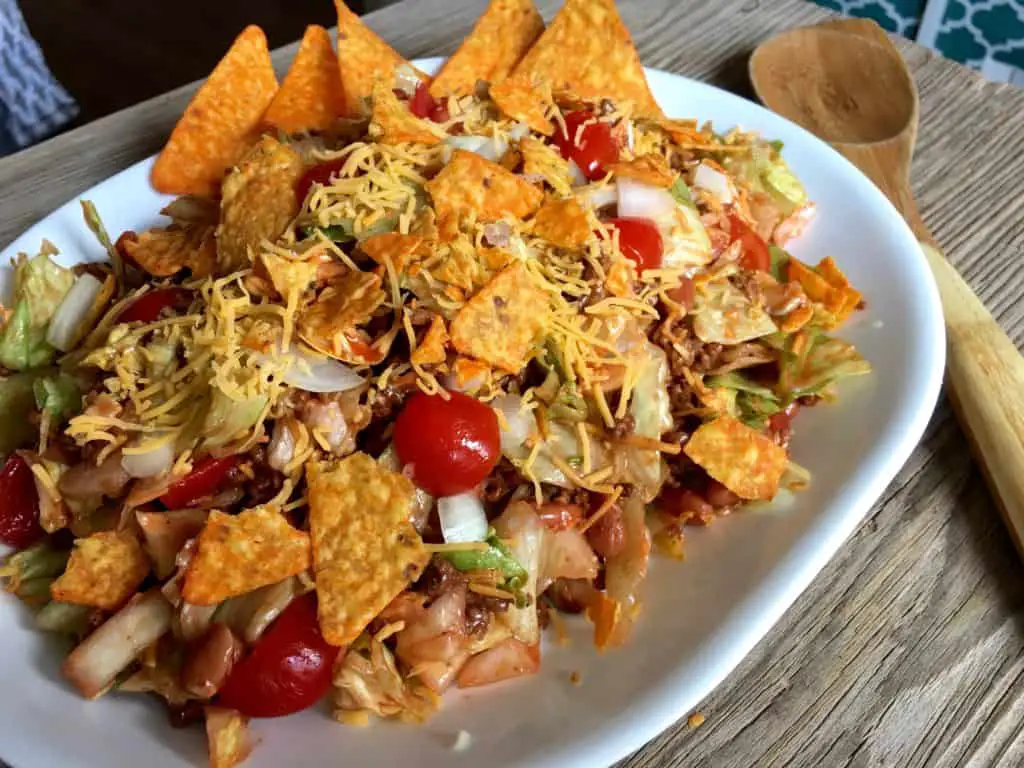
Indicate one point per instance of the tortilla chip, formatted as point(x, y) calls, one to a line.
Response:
point(363, 59)
point(525, 100)
point(399, 249)
point(500, 323)
point(166, 252)
point(340, 307)
point(587, 53)
point(685, 132)
point(562, 222)
point(288, 276)
point(365, 549)
point(393, 123)
point(468, 267)
point(471, 375)
point(227, 737)
point(105, 569)
point(545, 161)
point(650, 169)
point(498, 41)
point(472, 186)
point(826, 285)
point(310, 98)
point(430, 350)
point(220, 122)
point(739, 457)
point(258, 202)
point(239, 553)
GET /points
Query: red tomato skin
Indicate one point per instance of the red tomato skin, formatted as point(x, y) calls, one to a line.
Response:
point(597, 147)
point(318, 174)
point(447, 446)
point(205, 479)
point(148, 306)
point(684, 294)
point(19, 504)
point(289, 669)
point(639, 240)
point(426, 107)
point(755, 250)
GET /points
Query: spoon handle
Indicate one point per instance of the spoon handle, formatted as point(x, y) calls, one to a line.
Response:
point(986, 387)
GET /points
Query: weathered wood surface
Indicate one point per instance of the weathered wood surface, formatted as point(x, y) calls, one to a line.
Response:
point(908, 649)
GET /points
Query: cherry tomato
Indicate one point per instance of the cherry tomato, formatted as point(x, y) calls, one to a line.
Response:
point(597, 147)
point(318, 174)
point(148, 306)
point(448, 446)
point(423, 105)
point(755, 250)
point(205, 479)
point(288, 671)
point(19, 504)
point(639, 241)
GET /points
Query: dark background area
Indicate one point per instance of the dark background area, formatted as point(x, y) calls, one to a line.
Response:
point(110, 54)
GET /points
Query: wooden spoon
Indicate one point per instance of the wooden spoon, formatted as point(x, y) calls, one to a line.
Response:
point(845, 82)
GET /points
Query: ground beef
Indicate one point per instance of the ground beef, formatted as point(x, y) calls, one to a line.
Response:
point(570, 595)
point(480, 610)
point(624, 426)
point(265, 483)
point(439, 577)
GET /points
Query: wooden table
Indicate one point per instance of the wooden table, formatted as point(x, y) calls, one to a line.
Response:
point(908, 649)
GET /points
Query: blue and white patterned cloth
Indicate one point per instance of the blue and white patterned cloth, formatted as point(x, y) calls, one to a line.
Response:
point(32, 103)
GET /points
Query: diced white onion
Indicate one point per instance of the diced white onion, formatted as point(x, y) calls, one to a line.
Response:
point(576, 173)
point(73, 310)
point(487, 147)
point(498, 233)
point(518, 424)
point(598, 196)
point(406, 80)
point(518, 131)
point(313, 372)
point(643, 200)
point(150, 463)
point(462, 517)
point(714, 182)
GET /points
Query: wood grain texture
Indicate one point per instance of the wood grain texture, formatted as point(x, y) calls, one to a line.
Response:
point(908, 649)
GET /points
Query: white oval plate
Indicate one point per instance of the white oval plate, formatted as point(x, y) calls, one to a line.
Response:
point(700, 617)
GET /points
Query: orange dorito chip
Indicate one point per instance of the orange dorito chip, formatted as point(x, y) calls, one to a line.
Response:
point(430, 350)
point(587, 53)
point(498, 41)
point(522, 98)
point(562, 222)
point(650, 169)
point(239, 553)
point(543, 161)
point(365, 549)
point(392, 123)
point(220, 122)
point(500, 323)
point(310, 98)
point(227, 736)
point(105, 569)
point(740, 458)
point(258, 202)
point(471, 185)
point(364, 59)
point(398, 249)
point(344, 304)
point(826, 285)
point(165, 252)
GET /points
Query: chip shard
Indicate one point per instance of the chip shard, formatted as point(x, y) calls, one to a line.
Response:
point(239, 553)
point(739, 457)
point(104, 570)
point(365, 549)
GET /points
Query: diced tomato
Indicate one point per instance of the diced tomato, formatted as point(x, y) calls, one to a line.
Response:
point(148, 306)
point(288, 671)
point(557, 516)
point(447, 446)
point(755, 254)
point(206, 478)
point(597, 147)
point(424, 106)
point(19, 504)
point(684, 293)
point(639, 240)
point(318, 174)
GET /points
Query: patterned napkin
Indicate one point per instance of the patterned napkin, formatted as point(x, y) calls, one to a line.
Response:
point(32, 103)
point(985, 34)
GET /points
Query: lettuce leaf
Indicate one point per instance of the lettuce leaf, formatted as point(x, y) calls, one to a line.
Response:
point(58, 395)
point(754, 402)
point(16, 402)
point(828, 360)
point(780, 260)
point(39, 286)
point(681, 193)
point(723, 314)
point(227, 419)
point(650, 408)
